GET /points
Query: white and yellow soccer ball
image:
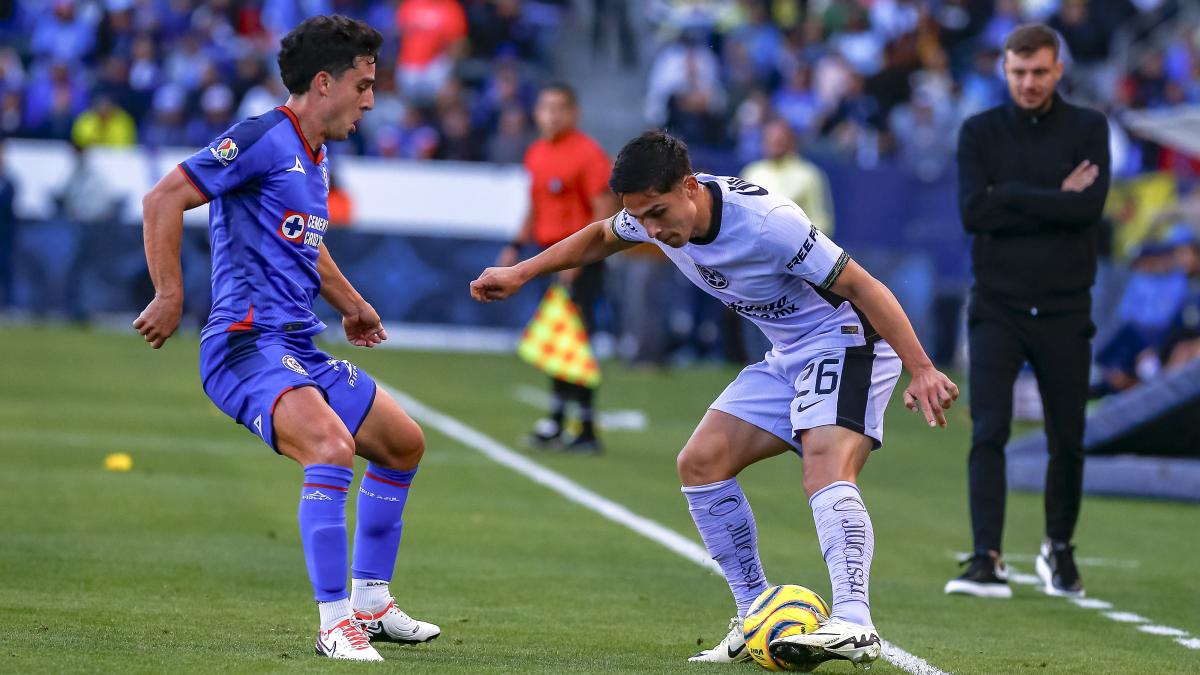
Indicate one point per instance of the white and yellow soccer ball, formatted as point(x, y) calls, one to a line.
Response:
point(778, 612)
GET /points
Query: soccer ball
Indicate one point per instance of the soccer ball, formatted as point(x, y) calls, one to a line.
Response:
point(780, 611)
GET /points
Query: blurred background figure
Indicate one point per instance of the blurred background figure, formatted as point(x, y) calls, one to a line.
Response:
point(783, 171)
point(8, 232)
point(568, 174)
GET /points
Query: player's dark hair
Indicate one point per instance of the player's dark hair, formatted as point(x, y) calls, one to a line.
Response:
point(1029, 38)
point(654, 161)
point(325, 43)
point(563, 88)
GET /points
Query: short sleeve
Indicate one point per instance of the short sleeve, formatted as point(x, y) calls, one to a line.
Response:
point(596, 171)
point(235, 158)
point(625, 227)
point(791, 241)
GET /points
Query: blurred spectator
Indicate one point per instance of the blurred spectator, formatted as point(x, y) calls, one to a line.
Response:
point(168, 124)
point(512, 138)
point(8, 232)
point(86, 195)
point(62, 33)
point(432, 34)
point(610, 16)
point(269, 93)
point(105, 123)
point(983, 87)
point(797, 103)
point(924, 134)
point(784, 172)
point(458, 141)
point(216, 104)
point(685, 65)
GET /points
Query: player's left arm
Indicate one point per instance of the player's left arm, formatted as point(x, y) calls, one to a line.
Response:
point(930, 392)
point(359, 319)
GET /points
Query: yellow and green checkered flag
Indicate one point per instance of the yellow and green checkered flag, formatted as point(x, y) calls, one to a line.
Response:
point(556, 342)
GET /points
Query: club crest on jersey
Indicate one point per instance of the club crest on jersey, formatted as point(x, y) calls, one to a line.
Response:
point(225, 151)
point(291, 363)
point(303, 228)
point(712, 277)
point(292, 226)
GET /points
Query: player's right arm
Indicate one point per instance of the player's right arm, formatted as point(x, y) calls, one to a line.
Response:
point(591, 244)
point(162, 211)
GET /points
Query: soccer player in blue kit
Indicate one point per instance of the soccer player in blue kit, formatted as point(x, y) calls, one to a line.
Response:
point(838, 341)
point(266, 181)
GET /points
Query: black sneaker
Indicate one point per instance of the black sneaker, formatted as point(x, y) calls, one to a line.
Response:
point(986, 577)
point(1056, 568)
point(584, 444)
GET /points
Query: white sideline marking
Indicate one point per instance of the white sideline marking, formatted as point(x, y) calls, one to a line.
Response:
point(1126, 617)
point(1163, 630)
point(1024, 579)
point(605, 507)
point(1091, 603)
point(609, 420)
point(1181, 636)
point(1119, 563)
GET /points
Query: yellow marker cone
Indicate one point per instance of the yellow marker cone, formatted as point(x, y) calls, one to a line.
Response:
point(118, 461)
point(556, 342)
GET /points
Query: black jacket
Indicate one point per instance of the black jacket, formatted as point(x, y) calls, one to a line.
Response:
point(1034, 245)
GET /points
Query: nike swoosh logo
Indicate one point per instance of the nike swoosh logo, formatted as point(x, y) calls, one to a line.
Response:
point(734, 652)
point(801, 408)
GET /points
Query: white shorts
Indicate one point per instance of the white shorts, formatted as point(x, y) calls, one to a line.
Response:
point(788, 393)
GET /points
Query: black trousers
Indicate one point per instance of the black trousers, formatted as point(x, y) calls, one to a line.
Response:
point(585, 292)
point(1058, 346)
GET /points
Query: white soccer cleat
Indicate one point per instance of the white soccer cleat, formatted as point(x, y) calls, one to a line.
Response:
point(392, 625)
point(346, 641)
point(731, 648)
point(835, 639)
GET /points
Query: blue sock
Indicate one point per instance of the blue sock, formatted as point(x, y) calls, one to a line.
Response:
point(848, 544)
point(727, 527)
point(323, 528)
point(381, 500)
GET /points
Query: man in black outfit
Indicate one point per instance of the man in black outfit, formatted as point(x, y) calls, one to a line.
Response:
point(1033, 176)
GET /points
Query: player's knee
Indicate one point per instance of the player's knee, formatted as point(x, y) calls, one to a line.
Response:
point(697, 467)
point(332, 445)
point(404, 449)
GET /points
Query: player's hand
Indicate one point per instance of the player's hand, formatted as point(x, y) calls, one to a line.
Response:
point(931, 393)
point(159, 320)
point(363, 327)
point(1081, 178)
point(497, 283)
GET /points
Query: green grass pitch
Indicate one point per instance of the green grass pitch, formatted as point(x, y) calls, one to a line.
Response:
point(191, 561)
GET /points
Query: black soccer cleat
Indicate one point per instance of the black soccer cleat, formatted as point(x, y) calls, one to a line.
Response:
point(1056, 568)
point(986, 577)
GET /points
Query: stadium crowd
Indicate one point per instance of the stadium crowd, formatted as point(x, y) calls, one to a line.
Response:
point(454, 78)
point(867, 80)
point(859, 79)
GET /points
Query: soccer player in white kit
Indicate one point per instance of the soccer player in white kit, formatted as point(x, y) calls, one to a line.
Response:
point(839, 339)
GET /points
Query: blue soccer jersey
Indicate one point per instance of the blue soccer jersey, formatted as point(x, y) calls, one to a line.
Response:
point(268, 215)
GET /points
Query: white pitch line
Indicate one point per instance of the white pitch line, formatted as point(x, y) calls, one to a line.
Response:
point(1181, 636)
point(1126, 617)
point(1164, 630)
point(611, 510)
point(1091, 603)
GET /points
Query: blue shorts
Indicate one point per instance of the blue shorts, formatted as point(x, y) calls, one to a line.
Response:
point(245, 373)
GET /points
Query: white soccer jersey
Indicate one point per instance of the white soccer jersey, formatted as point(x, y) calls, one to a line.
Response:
point(765, 260)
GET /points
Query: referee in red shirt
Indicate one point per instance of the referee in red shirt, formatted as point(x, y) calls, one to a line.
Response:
point(568, 190)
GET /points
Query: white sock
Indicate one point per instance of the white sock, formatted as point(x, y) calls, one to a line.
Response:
point(848, 544)
point(371, 595)
point(332, 613)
